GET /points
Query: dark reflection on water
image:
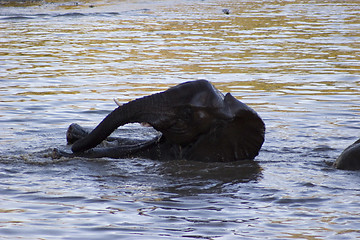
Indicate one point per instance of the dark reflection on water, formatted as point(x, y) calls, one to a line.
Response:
point(294, 62)
point(192, 178)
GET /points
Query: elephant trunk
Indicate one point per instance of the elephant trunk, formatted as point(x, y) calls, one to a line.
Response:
point(149, 109)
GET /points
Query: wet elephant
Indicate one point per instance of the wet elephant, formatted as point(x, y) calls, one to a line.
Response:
point(196, 121)
point(349, 159)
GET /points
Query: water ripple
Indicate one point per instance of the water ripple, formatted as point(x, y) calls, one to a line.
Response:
point(295, 63)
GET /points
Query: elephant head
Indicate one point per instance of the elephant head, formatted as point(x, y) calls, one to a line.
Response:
point(194, 116)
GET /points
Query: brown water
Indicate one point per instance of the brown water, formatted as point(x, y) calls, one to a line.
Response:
point(295, 62)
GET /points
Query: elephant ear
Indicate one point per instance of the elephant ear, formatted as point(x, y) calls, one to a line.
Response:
point(239, 135)
point(246, 127)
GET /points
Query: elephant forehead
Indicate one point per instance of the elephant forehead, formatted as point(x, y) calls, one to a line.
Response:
point(200, 93)
point(207, 99)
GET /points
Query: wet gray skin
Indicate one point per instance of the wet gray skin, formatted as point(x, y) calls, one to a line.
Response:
point(349, 159)
point(196, 121)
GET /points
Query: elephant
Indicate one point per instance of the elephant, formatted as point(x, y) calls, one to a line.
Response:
point(195, 122)
point(349, 159)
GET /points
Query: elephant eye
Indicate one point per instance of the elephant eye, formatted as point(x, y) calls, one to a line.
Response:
point(185, 115)
point(184, 120)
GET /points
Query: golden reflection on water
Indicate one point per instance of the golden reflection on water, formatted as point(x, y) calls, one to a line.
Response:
point(106, 48)
point(257, 37)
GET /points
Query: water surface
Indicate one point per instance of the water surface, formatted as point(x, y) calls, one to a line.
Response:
point(296, 63)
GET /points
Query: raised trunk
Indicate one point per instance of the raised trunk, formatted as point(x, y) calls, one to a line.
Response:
point(150, 109)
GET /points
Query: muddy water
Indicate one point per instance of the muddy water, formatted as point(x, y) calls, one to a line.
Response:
point(296, 63)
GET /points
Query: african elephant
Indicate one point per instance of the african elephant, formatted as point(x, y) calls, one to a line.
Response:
point(349, 159)
point(197, 122)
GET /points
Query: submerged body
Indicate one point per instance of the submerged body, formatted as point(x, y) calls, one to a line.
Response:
point(196, 121)
point(349, 159)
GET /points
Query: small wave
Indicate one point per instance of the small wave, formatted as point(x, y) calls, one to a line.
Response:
point(44, 157)
point(18, 17)
point(71, 14)
point(301, 200)
point(64, 15)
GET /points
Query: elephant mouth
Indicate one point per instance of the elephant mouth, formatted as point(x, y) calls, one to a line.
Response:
point(145, 124)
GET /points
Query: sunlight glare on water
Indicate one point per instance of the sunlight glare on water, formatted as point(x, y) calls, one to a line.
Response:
point(295, 62)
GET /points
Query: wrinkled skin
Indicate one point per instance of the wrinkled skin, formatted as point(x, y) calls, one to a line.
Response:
point(196, 122)
point(349, 159)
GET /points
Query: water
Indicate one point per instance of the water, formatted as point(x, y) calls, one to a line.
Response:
point(295, 62)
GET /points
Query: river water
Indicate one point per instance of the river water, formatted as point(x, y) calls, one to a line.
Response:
point(295, 62)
